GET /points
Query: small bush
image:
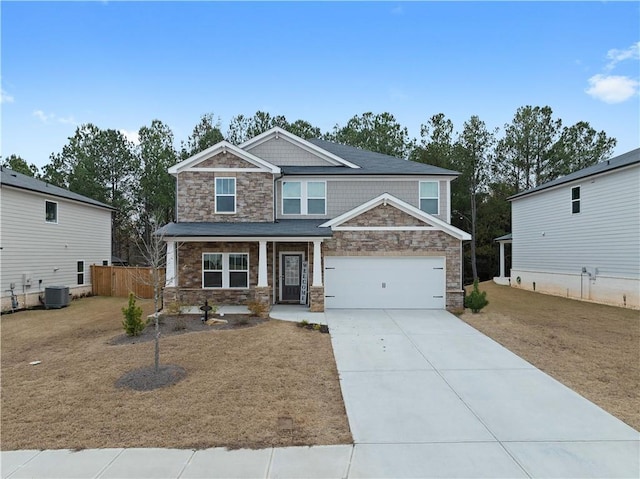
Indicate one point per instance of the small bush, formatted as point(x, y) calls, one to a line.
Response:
point(476, 300)
point(303, 324)
point(132, 324)
point(174, 308)
point(180, 324)
point(258, 308)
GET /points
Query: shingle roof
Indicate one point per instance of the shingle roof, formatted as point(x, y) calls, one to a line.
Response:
point(626, 159)
point(370, 163)
point(281, 228)
point(18, 180)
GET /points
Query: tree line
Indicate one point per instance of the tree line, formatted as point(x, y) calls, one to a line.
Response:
point(533, 148)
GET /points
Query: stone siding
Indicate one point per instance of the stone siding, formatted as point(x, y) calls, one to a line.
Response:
point(316, 299)
point(196, 197)
point(384, 215)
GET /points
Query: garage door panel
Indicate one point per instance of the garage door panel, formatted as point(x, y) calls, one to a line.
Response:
point(384, 282)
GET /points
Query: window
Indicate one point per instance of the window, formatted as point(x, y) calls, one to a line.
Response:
point(225, 270)
point(316, 195)
point(429, 197)
point(225, 195)
point(291, 198)
point(105, 262)
point(575, 200)
point(80, 271)
point(304, 198)
point(51, 211)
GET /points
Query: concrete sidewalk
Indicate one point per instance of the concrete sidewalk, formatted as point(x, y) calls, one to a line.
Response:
point(426, 396)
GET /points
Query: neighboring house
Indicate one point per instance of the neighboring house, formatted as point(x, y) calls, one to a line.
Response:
point(280, 219)
point(49, 236)
point(579, 236)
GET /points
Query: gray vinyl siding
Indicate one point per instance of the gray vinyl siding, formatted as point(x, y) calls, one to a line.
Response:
point(30, 244)
point(280, 152)
point(343, 196)
point(604, 235)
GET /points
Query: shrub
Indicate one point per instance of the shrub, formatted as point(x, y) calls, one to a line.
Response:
point(476, 300)
point(132, 324)
point(303, 324)
point(258, 308)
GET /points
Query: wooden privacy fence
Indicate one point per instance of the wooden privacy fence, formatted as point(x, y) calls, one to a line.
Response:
point(119, 280)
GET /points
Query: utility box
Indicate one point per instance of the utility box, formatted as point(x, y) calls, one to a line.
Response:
point(56, 297)
point(26, 279)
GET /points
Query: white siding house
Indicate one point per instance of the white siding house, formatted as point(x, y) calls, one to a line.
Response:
point(579, 236)
point(49, 236)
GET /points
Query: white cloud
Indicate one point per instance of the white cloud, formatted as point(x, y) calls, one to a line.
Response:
point(132, 136)
point(42, 116)
point(53, 118)
point(5, 97)
point(616, 56)
point(612, 88)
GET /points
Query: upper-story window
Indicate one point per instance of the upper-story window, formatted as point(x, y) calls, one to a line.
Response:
point(429, 197)
point(304, 198)
point(51, 211)
point(575, 200)
point(225, 195)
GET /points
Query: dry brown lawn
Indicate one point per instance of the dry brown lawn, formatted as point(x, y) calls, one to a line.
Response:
point(272, 384)
point(591, 348)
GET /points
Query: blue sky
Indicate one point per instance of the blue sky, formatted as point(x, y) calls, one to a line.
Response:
point(122, 64)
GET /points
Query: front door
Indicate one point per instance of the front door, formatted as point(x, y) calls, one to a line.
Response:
point(290, 277)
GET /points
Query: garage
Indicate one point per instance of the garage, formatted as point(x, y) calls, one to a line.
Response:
point(391, 282)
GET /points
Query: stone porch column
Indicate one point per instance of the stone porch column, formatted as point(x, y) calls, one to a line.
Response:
point(170, 272)
point(263, 281)
point(317, 263)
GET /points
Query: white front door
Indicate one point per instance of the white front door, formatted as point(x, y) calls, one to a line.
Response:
point(396, 282)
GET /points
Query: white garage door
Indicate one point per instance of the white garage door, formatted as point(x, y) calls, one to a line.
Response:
point(407, 282)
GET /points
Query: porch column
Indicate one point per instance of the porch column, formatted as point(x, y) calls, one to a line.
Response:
point(317, 263)
point(262, 265)
point(170, 272)
point(501, 259)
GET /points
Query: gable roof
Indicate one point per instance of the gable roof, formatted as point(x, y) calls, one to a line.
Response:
point(389, 199)
point(370, 163)
point(626, 159)
point(223, 147)
point(18, 180)
point(276, 132)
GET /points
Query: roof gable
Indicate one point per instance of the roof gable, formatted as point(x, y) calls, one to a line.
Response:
point(205, 160)
point(277, 133)
point(370, 213)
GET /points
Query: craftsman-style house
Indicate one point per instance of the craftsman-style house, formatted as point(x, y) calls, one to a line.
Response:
point(280, 219)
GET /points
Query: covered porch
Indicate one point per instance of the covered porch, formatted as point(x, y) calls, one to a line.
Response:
point(236, 263)
point(503, 279)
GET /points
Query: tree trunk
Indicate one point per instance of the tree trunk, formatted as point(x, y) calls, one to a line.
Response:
point(157, 330)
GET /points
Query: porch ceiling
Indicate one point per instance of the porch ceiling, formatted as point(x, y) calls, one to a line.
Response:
point(280, 229)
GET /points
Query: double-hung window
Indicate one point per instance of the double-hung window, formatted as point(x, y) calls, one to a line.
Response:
point(225, 195)
point(51, 211)
point(80, 272)
point(575, 200)
point(225, 270)
point(304, 198)
point(429, 197)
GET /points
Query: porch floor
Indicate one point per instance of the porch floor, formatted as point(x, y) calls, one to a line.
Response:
point(296, 313)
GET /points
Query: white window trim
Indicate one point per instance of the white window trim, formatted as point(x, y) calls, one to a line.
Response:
point(437, 197)
point(576, 201)
point(84, 272)
point(226, 271)
point(304, 198)
point(235, 195)
point(45, 212)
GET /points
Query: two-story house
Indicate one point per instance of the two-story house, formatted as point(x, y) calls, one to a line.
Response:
point(49, 236)
point(578, 236)
point(281, 219)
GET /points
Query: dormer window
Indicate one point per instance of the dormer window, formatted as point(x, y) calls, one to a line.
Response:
point(430, 197)
point(225, 195)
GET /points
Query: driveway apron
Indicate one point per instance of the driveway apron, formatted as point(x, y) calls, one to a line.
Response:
point(429, 396)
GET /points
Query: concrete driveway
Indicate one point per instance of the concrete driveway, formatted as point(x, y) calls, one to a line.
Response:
point(429, 396)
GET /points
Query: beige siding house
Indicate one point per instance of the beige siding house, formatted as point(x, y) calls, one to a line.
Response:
point(280, 219)
point(48, 237)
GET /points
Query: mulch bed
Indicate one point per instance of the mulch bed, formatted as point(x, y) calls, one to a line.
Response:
point(187, 323)
point(147, 379)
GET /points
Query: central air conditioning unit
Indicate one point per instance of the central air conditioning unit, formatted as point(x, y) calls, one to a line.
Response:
point(56, 296)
